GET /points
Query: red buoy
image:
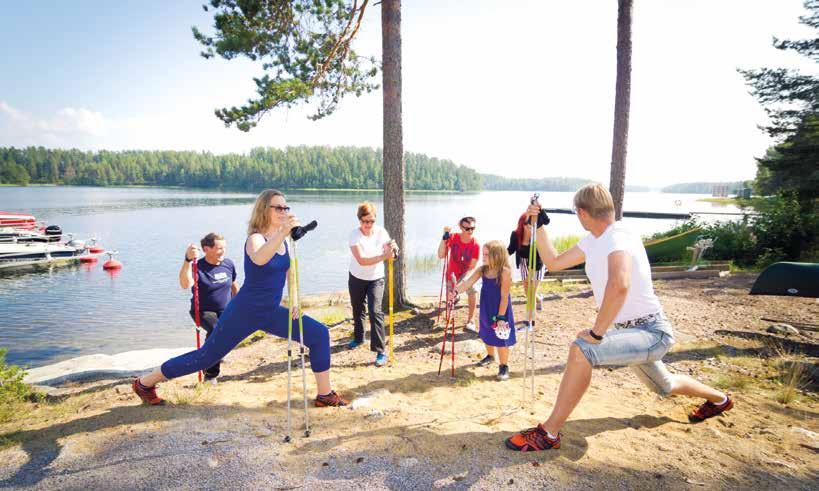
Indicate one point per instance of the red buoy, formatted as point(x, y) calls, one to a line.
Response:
point(112, 264)
point(88, 259)
point(95, 249)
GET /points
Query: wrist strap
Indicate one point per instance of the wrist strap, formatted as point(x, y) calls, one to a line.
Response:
point(595, 335)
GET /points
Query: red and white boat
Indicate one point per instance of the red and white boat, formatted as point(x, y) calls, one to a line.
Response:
point(18, 220)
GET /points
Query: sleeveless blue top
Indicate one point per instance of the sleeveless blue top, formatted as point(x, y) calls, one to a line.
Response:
point(262, 282)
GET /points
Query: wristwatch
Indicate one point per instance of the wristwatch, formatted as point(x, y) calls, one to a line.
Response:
point(496, 318)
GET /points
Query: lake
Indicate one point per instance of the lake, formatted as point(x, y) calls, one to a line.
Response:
point(49, 315)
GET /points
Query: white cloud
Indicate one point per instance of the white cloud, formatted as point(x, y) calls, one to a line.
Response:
point(71, 120)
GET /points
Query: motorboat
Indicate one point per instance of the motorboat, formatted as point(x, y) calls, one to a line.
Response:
point(22, 254)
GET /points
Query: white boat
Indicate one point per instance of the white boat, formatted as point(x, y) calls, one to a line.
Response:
point(23, 254)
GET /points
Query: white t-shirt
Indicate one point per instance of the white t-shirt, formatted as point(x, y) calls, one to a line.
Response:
point(371, 246)
point(640, 299)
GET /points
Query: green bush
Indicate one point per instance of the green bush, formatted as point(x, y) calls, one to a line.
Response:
point(12, 387)
point(783, 231)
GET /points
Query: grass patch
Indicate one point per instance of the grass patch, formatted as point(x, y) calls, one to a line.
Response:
point(186, 396)
point(729, 381)
point(256, 336)
point(793, 379)
point(331, 316)
point(424, 263)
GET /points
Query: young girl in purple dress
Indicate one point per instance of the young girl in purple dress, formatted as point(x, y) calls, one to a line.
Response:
point(496, 314)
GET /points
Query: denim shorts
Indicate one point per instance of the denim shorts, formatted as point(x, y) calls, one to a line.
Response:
point(641, 347)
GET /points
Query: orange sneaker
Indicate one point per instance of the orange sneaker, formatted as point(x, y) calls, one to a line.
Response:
point(331, 400)
point(147, 394)
point(533, 440)
point(709, 410)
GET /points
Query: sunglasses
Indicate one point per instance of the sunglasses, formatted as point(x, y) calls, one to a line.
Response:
point(367, 221)
point(279, 208)
point(467, 229)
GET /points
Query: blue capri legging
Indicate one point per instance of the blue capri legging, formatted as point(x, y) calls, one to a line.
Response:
point(238, 322)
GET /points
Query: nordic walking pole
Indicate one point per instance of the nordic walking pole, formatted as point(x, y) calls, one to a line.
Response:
point(301, 340)
point(392, 319)
point(196, 319)
point(443, 277)
point(293, 291)
point(530, 309)
point(448, 316)
point(290, 293)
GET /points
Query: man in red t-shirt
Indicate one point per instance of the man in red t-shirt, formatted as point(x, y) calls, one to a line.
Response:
point(463, 256)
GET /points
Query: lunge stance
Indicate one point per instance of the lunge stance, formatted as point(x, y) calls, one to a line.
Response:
point(620, 276)
point(256, 306)
point(462, 250)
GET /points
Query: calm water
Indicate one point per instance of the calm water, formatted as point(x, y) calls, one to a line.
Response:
point(51, 315)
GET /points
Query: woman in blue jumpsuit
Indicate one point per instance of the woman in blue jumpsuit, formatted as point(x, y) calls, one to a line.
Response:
point(256, 306)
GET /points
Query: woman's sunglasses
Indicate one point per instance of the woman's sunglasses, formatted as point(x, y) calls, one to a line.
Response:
point(366, 221)
point(280, 208)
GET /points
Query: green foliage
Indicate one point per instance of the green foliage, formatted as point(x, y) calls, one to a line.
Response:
point(791, 100)
point(12, 388)
point(565, 242)
point(702, 187)
point(779, 233)
point(683, 227)
point(292, 168)
point(789, 97)
point(304, 47)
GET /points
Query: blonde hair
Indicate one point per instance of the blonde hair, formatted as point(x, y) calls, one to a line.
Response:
point(364, 209)
point(260, 218)
point(497, 258)
point(595, 199)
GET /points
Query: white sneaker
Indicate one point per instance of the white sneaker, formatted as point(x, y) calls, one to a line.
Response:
point(539, 303)
point(470, 326)
point(523, 326)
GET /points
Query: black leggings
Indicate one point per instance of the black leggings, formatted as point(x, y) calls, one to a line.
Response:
point(373, 292)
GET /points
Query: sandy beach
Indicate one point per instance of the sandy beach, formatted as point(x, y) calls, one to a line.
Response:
point(410, 429)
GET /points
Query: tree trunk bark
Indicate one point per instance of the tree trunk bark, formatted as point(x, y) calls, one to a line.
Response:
point(622, 102)
point(393, 139)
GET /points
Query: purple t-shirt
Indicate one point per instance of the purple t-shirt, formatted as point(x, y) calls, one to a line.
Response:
point(214, 285)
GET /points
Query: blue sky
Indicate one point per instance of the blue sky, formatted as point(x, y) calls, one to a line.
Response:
point(519, 88)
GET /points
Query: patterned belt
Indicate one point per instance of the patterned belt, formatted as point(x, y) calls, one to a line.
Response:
point(640, 320)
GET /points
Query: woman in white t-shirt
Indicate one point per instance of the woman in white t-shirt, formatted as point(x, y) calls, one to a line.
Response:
point(370, 246)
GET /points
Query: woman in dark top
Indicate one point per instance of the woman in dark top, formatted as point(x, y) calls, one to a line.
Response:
point(519, 242)
point(256, 306)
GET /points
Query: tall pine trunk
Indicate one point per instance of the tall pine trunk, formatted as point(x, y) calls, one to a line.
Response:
point(622, 102)
point(393, 139)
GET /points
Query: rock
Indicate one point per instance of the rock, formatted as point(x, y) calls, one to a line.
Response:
point(460, 477)
point(467, 347)
point(408, 462)
point(782, 328)
point(802, 431)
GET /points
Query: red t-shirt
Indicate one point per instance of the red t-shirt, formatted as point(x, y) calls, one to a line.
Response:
point(461, 255)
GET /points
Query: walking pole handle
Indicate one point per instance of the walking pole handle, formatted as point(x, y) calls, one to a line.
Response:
point(300, 231)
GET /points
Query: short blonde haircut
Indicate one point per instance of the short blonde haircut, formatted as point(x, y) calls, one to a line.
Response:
point(496, 257)
point(260, 218)
point(364, 209)
point(595, 199)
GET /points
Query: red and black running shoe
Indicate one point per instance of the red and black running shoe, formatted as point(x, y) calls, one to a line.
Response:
point(331, 400)
point(709, 410)
point(533, 440)
point(147, 394)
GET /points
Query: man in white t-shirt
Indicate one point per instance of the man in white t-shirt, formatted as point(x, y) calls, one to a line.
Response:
point(620, 275)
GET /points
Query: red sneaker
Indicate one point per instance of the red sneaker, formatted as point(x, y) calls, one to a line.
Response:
point(709, 410)
point(147, 394)
point(331, 400)
point(533, 440)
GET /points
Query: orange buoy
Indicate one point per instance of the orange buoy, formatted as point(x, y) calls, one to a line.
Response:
point(112, 264)
point(88, 259)
point(95, 249)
